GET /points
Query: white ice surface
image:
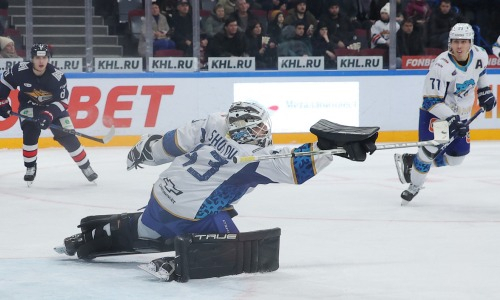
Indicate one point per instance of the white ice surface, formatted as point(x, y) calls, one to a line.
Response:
point(344, 233)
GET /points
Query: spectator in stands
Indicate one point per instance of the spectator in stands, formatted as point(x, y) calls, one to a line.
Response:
point(440, 24)
point(317, 7)
point(276, 26)
point(420, 12)
point(167, 7)
point(215, 22)
point(261, 47)
point(376, 6)
point(242, 15)
point(340, 28)
point(161, 32)
point(357, 11)
point(300, 13)
point(380, 32)
point(8, 49)
point(323, 46)
point(408, 41)
point(182, 24)
point(229, 42)
point(296, 43)
point(229, 6)
point(203, 65)
point(276, 5)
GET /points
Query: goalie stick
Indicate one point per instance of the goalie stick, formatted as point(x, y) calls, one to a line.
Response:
point(441, 136)
point(103, 140)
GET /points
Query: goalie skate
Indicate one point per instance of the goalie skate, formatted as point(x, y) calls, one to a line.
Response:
point(404, 164)
point(161, 268)
point(71, 244)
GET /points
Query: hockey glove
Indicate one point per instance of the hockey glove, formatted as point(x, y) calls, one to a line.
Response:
point(44, 119)
point(457, 127)
point(355, 151)
point(486, 98)
point(141, 153)
point(5, 108)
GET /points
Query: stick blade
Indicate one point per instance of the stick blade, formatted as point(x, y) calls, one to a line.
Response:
point(109, 136)
point(441, 131)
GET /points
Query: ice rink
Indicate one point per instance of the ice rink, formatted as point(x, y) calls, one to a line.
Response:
point(344, 233)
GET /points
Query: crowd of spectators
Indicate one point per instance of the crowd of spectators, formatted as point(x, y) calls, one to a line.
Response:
point(266, 29)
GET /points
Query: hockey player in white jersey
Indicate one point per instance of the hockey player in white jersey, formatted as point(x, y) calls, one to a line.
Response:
point(448, 94)
point(196, 192)
point(496, 47)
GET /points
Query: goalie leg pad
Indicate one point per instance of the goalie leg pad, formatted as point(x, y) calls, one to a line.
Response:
point(108, 234)
point(215, 255)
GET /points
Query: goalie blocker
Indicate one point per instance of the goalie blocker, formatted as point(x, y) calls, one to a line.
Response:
point(200, 256)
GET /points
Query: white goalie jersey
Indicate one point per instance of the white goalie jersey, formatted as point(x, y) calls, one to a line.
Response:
point(449, 88)
point(202, 178)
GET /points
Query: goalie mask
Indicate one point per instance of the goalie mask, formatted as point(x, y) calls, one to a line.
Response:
point(249, 123)
point(461, 31)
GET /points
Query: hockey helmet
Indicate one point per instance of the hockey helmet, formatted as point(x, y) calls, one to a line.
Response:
point(249, 123)
point(461, 31)
point(40, 50)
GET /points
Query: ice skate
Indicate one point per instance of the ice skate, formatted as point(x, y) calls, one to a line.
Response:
point(409, 194)
point(89, 174)
point(404, 164)
point(30, 175)
point(161, 268)
point(71, 244)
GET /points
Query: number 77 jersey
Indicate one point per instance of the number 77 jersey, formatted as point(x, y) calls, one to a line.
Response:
point(449, 87)
point(202, 178)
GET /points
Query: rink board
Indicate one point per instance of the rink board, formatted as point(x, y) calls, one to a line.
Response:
point(157, 102)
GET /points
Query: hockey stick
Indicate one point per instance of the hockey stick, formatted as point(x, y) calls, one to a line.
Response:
point(441, 136)
point(443, 147)
point(103, 140)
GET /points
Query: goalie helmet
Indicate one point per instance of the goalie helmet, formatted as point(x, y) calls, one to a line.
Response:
point(249, 123)
point(461, 31)
point(40, 50)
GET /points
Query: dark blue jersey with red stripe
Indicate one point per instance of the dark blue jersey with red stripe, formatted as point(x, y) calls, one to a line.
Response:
point(48, 91)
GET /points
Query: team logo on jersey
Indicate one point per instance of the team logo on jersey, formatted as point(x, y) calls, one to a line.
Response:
point(39, 96)
point(170, 187)
point(462, 89)
point(58, 75)
point(23, 66)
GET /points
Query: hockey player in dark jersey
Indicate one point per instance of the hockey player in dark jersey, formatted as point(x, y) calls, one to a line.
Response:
point(43, 96)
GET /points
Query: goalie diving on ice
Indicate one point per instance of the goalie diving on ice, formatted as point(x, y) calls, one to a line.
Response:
point(190, 210)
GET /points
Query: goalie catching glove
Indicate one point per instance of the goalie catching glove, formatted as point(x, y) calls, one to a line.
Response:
point(141, 153)
point(356, 141)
